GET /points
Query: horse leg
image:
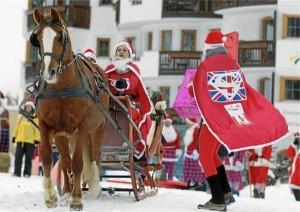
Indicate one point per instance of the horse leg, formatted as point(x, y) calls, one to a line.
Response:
point(96, 143)
point(77, 165)
point(65, 163)
point(46, 152)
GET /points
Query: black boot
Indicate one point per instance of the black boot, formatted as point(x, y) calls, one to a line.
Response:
point(262, 195)
point(225, 185)
point(255, 193)
point(217, 202)
point(296, 194)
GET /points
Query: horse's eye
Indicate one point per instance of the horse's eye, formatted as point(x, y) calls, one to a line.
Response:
point(34, 40)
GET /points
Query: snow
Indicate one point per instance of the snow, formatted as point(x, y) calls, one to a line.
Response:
point(26, 194)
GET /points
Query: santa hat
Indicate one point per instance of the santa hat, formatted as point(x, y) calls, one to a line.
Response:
point(168, 119)
point(190, 121)
point(89, 53)
point(30, 103)
point(214, 39)
point(127, 45)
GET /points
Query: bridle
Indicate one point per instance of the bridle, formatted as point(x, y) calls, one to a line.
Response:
point(64, 41)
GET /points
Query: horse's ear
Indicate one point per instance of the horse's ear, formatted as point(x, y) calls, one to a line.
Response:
point(38, 16)
point(55, 14)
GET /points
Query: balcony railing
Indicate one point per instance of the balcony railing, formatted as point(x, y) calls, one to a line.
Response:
point(256, 53)
point(74, 15)
point(188, 8)
point(176, 62)
point(223, 4)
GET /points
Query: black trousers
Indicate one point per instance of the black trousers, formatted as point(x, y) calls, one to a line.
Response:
point(296, 194)
point(21, 150)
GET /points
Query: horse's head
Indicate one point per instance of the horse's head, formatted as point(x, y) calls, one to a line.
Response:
point(52, 39)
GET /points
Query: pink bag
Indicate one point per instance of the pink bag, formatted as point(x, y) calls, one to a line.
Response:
point(184, 104)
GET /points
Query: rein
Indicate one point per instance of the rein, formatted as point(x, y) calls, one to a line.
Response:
point(38, 89)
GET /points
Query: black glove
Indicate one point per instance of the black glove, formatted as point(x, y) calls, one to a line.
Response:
point(121, 83)
point(13, 140)
point(231, 154)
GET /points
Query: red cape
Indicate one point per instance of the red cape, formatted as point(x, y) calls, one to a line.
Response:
point(236, 114)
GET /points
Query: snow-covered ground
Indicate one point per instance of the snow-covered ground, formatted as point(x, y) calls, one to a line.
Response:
point(25, 194)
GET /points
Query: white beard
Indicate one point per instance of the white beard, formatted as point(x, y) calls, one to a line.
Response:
point(1, 110)
point(121, 64)
point(188, 137)
point(169, 133)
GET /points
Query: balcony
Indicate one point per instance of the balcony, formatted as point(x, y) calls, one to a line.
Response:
point(224, 4)
point(74, 15)
point(256, 53)
point(188, 8)
point(176, 62)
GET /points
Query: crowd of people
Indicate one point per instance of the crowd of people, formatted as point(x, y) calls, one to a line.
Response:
point(198, 147)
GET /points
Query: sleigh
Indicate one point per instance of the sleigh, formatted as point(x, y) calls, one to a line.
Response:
point(118, 153)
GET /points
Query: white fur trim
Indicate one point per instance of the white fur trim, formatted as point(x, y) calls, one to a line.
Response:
point(127, 45)
point(30, 104)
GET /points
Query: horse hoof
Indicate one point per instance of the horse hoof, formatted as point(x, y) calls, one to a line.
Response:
point(76, 207)
point(50, 204)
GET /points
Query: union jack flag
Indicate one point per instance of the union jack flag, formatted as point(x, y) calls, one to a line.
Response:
point(226, 86)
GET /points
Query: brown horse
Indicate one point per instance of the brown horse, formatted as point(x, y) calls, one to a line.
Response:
point(68, 109)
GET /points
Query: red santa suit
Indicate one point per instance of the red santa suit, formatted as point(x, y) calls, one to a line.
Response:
point(259, 161)
point(192, 170)
point(141, 104)
point(294, 152)
point(171, 149)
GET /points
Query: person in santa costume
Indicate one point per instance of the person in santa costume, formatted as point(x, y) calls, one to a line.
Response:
point(234, 166)
point(293, 152)
point(4, 126)
point(171, 149)
point(259, 162)
point(192, 170)
point(212, 165)
point(125, 79)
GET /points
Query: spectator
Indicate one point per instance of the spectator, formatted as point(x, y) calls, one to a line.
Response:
point(26, 136)
point(259, 160)
point(171, 149)
point(293, 152)
point(192, 170)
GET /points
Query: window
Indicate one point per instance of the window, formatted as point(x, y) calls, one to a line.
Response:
point(289, 88)
point(32, 53)
point(166, 40)
point(131, 41)
point(103, 47)
point(105, 2)
point(265, 87)
point(291, 26)
point(135, 2)
point(149, 41)
point(165, 91)
point(188, 40)
point(268, 28)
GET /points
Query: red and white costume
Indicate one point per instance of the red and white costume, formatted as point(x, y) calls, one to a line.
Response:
point(259, 160)
point(192, 170)
point(171, 149)
point(294, 152)
point(141, 104)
